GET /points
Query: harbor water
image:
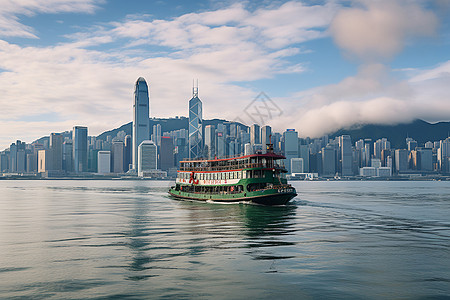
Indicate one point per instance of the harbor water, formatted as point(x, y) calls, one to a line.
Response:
point(94, 239)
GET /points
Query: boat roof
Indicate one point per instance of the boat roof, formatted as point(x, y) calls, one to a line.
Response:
point(268, 155)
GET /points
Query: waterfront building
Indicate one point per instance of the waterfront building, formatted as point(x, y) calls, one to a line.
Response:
point(368, 172)
point(255, 134)
point(401, 160)
point(303, 152)
point(443, 154)
point(44, 161)
point(31, 163)
point(17, 157)
point(266, 136)
point(384, 172)
point(290, 146)
point(56, 149)
point(166, 157)
point(328, 161)
point(195, 125)
point(210, 141)
point(147, 158)
point(4, 161)
point(426, 159)
point(141, 112)
point(346, 157)
point(104, 162)
point(127, 155)
point(117, 153)
point(67, 156)
point(297, 165)
point(80, 149)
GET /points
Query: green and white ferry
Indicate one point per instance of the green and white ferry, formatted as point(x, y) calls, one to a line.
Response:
point(256, 178)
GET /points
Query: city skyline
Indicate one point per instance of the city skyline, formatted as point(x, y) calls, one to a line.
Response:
point(65, 63)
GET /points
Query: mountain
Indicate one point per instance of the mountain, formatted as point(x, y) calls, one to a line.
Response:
point(419, 130)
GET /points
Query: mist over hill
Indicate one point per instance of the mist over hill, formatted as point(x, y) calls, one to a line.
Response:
point(419, 130)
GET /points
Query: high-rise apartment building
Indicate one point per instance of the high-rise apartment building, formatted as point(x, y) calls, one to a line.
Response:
point(80, 148)
point(195, 126)
point(141, 112)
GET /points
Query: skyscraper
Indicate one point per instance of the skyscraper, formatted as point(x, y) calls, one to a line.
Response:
point(80, 149)
point(127, 159)
point(255, 134)
point(56, 148)
point(345, 145)
point(117, 156)
point(147, 157)
point(266, 134)
point(210, 141)
point(166, 157)
point(104, 162)
point(290, 146)
point(156, 137)
point(141, 122)
point(195, 125)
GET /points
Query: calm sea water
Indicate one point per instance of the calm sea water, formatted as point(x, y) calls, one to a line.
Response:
point(129, 240)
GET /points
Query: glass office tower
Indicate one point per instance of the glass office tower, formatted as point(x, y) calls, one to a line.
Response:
point(141, 112)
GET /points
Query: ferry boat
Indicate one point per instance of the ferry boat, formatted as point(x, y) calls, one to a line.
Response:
point(257, 178)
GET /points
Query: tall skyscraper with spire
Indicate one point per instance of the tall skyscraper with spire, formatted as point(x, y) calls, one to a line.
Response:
point(195, 125)
point(141, 111)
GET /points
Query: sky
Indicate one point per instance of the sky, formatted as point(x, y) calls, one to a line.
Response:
point(319, 65)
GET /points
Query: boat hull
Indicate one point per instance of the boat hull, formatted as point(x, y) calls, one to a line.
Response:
point(257, 198)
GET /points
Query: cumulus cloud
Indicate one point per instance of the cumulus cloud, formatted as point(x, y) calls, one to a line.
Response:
point(373, 96)
point(379, 29)
point(78, 81)
point(374, 31)
point(10, 25)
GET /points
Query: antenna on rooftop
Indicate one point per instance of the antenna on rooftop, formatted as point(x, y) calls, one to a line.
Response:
point(194, 89)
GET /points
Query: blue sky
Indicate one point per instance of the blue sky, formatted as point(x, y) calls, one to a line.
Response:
point(326, 64)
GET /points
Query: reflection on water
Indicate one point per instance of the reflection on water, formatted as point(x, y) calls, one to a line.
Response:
point(118, 239)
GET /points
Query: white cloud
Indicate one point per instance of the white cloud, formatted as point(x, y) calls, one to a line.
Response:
point(380, 29)
point(373, 96)
point(10, 25)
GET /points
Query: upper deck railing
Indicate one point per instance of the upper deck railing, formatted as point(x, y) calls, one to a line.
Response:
point(233, 166)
